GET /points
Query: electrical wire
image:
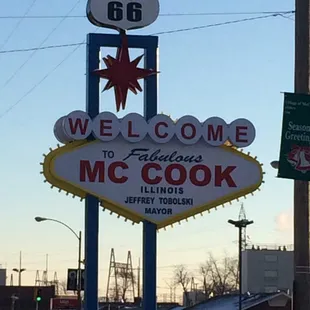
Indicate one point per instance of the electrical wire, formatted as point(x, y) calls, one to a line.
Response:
point(218, 24)
point(11, 107)
point(78, 45)
point(287, 17)
point(158, 33)
point(39, 48)
point(40, 82)
point(21, 18)
point(35, 50)
point(162, 15)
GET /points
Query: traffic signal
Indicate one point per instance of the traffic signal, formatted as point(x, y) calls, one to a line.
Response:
point(37, 294)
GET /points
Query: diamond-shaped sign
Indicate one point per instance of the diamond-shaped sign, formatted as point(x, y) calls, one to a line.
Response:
point(163, 183)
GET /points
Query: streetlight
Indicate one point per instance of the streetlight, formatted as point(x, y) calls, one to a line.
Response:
point(240, 224)
point(275, 164)
point(79, 237)
point(19, 270)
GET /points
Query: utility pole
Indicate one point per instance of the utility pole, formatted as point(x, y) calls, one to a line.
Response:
point(46, 267)
point(138, 282)
point(301, 291)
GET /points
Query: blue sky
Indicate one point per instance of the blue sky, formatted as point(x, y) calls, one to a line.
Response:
point(228, 71)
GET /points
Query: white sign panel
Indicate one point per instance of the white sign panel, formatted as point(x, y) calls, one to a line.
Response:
point(158, 181)
point(122, 14)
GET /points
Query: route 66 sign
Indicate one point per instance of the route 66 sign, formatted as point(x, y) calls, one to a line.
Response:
point(122, 14)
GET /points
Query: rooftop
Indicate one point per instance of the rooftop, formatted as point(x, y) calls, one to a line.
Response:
point(231, 302)
point(270, 247)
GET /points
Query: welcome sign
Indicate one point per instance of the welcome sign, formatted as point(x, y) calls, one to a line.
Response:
point(158, 170)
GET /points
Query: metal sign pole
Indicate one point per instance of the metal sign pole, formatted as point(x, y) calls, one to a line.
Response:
point(91, 202)
point(150, 229)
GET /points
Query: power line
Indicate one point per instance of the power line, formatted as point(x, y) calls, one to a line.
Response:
point(40, 48)
point(220, 24)
point(40, 82)
point(11, 107)
point(78, 45)
point(21, 18)
point(162, 15)
point(287, 17)
point(158, 33)
point(35, 50)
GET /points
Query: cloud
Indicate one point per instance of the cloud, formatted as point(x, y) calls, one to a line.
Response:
point(284, 221)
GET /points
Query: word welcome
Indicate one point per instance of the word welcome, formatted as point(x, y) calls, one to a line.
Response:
point(161, 129)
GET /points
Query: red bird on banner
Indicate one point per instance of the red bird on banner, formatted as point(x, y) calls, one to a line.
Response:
point(123, 74)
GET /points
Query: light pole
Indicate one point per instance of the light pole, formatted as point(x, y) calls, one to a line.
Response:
point(240, 224)
point(79, 237)
point(19, 270)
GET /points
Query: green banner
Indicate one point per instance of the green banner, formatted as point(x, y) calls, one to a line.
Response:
point(294, 160)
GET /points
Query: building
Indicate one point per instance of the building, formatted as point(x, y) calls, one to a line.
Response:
point(267, 269)
point(2, 277)
point(194, 297)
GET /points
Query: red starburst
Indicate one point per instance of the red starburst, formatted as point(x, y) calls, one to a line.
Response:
point(123, 74)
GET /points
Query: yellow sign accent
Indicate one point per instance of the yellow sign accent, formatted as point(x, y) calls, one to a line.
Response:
point(52, 178)
point(76, 191)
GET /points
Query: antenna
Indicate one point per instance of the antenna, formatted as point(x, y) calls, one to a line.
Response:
point(245, 237)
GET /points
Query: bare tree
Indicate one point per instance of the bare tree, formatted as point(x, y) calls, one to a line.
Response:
point(219, 276)
point(62, 287)
point(207, 284)
point(233, 266)
point(183, 277)
point(127, 280)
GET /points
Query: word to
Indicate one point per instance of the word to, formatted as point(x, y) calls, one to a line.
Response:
point(161, 129)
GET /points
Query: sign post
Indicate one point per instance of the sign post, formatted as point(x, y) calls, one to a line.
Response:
point(91, 202)
point(150, 229)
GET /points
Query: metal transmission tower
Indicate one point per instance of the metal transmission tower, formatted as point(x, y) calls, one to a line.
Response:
point(245, 237)
point(44, 281)
point(172, 288)
point(37, 281)
point(121, 280)
point(55, 282)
